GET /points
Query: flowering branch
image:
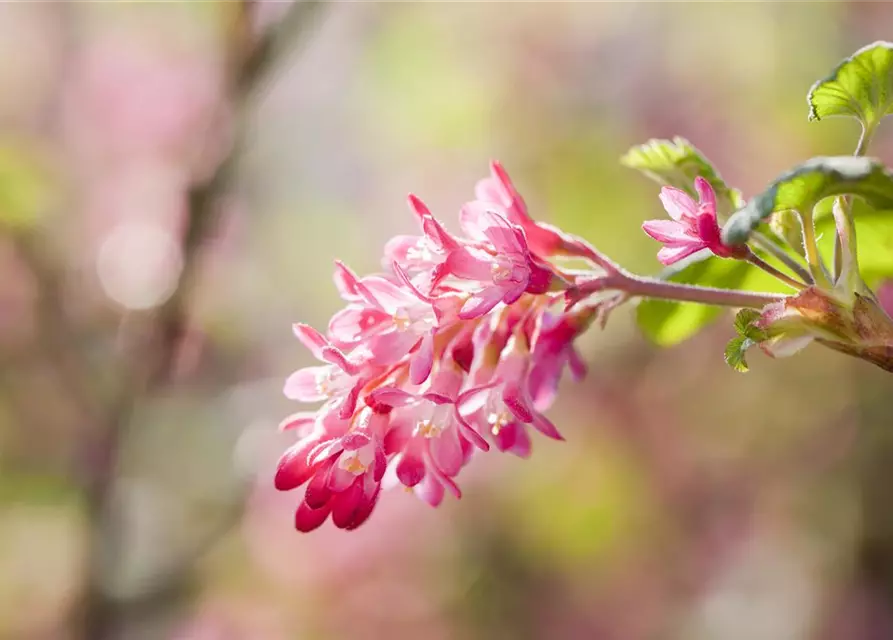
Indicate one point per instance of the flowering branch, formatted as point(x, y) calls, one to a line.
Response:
point(457, 347)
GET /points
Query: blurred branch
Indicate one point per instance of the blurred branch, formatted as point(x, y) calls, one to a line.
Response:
point(161, 342)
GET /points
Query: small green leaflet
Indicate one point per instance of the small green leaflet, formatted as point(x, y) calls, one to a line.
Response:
point(734, 354)
point(748, 336)
point(861, 86)
point(803, 187)
point(743, 321)
point(677, 163)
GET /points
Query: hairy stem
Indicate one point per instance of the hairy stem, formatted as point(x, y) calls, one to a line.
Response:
point(644, 287)
point(781, 255)
point(757, 261)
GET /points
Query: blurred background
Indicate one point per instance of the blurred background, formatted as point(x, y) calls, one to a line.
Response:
point(175, 182)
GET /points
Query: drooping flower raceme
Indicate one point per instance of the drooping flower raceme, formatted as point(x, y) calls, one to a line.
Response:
point(458, 345)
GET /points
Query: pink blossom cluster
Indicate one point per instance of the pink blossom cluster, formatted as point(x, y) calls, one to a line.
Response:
point(457, 347)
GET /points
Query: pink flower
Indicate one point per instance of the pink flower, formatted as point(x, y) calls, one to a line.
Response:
point(503, 407)
point(337, 383)
point(693, 226)
point(343, 465)
point(553, 350)
point(498, 261)
point(545, 240)
point(420, 256)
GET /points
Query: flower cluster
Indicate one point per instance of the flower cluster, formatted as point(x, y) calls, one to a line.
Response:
point(456, 348)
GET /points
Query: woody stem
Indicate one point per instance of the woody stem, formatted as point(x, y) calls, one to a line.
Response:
point(645, 287)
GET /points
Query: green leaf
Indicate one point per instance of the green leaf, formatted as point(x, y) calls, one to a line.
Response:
point(677, 163)
point(734, 353)
point(667, 323)
point(861, 86)
point(806, 185)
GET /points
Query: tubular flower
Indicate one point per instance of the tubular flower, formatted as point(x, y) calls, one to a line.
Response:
point(458, 344)
point(692, 227)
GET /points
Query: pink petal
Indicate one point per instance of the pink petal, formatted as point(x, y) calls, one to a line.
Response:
point(668, 231)
point(422, 361)
point(419, 208)
point(310, 338)
point(516, 402)
point(297, 421)
point(396, 249)
point(469, 432)
point(669, 255)
point(511, 294)
point(294, 468)
point(390, 347)
point(481, 303)
point(474, 398)
point(365, 508)
point(354, 322)
point(706, 194)
point(430, 490)
point(518, 209)
point(379, 463)
point(489, 190)
point(324, 450)
point(349, 403)
point(513, 438)
point(677, 203)
point(388, 295)
point(336, 357)
point(303, 384)
point(486, 221)
point(409, 284)
point(307, 518)
point(577, 365)
point(340, 479)
point(445, 480)
point(446, 452)
point(465, 265)
point(411, 468)
point(540, 278)
point(345, 281)
point(545, 426)
point(392, 397)
point(318, 492)
point(506, 436)
point(438, 236)
point(355, 440)
point(344, 504)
